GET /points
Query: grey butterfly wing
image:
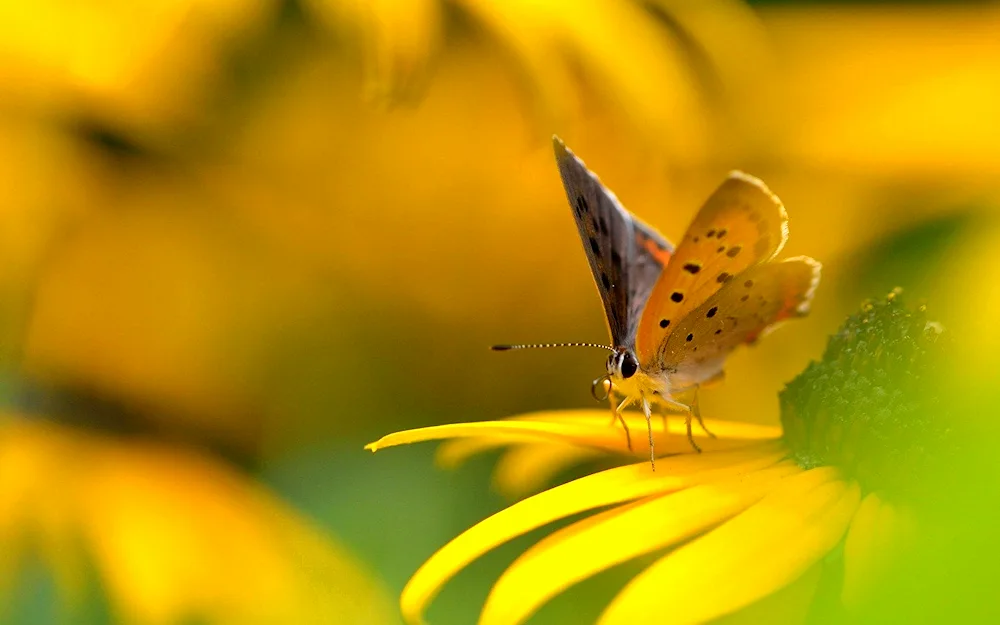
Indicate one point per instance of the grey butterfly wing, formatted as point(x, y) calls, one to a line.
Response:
point(652, 252)
point(625, 255)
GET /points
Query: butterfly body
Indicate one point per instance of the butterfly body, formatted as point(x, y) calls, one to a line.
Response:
point(675, 314)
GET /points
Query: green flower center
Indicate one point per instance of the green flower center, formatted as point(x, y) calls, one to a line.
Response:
point(870, 406)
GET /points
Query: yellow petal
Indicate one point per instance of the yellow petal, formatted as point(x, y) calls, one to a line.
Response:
point(737, 60)
point(398, 39)
point(752, 555)
point(858, 545)
point(587, 493)
point(592, 428)
point(635, 419)
point(526, 469)
point(788, 606)
point(602, 541)
point(452, 454)
point(622, 53)
point(878, 533)
point(511, 431)
point(29, 462)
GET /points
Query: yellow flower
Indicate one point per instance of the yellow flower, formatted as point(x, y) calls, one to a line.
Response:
point(132, 65)
point(171, 534)
point(758, 510)
point(629, 60)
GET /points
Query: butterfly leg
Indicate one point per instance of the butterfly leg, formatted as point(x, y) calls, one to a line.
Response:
point(616, 415)
point(696, 411)
point(689, 411)
point(670, 407)
point(649, 428)
point(693, 411)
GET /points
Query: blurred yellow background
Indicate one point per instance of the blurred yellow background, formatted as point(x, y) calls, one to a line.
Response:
point(240, 239)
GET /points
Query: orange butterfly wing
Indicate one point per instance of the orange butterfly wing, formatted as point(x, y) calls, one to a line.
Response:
point(740, 312)
point(741, 225)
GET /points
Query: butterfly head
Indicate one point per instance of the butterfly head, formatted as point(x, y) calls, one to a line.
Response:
point(629, 379)
point(622, 364)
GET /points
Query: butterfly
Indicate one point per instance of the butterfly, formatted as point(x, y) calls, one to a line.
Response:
point(675, 314)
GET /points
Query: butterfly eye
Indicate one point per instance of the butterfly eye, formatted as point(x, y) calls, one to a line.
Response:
point(629, 366)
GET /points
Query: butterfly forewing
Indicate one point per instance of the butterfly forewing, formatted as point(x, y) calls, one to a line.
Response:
point(652, 254)
point(738, 313)
point(741, 225)
point(625, 256)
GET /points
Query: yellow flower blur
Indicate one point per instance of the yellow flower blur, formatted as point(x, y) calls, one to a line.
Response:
point(170, 533)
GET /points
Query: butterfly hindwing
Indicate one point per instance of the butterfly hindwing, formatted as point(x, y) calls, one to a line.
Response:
point(741, 225)
point(738, 313)
point(626, 257)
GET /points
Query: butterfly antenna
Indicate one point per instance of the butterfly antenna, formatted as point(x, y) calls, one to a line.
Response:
point(506, 348)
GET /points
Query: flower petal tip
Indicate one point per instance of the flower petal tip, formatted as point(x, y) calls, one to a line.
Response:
point(372, 447)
